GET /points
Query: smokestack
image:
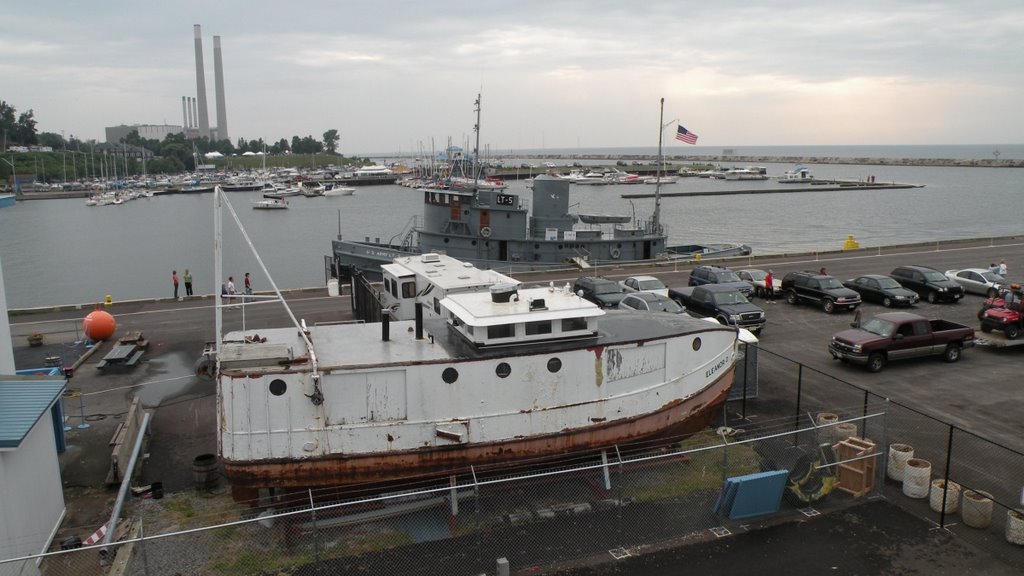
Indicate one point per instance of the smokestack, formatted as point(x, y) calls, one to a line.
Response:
point(191, 119)
point(184, 112)
point(195, 114)
point(204, 118)
point(218, 87)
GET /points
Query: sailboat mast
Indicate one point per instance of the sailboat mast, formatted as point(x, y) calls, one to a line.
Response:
point(657, 186)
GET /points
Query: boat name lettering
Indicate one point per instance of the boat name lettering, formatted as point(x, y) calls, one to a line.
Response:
point(721, 364)
point(505, 200)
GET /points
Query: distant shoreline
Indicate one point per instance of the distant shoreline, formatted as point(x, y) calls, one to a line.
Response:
point(769, 159)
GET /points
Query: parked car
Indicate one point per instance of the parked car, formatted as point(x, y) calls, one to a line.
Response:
point(601, 291)
point(978, 281)
point(820, 289)
point(755, 277)
point(929, 283)
point(716, 275)
point(723, 303)
point(650, 302)
point(644, 284)
point(883, 290)
point(896, 335)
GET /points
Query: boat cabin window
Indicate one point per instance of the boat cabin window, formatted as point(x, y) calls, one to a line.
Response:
point(501, 331)
point(408, 290)
point(573, 324)
point(535, 328)
point(437, 306)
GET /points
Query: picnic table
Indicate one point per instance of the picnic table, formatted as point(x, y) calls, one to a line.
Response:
point(122, 355)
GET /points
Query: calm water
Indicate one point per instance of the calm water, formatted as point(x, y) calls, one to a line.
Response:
point(63, 252)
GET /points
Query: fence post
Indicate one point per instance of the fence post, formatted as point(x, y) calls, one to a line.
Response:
point(864, 416)
point(799, 391)
point(945, 476)
point(316, 533)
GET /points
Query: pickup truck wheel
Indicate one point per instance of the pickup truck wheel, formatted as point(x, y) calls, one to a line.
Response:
point(1012, 332)
point(876, 362)
point(791, 297)
point(887, 302)
point(952, 353)
point(933, 297)
point(986, 328)
point(723, 321)
point(828, 306)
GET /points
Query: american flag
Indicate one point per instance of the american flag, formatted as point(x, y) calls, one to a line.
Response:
point(685, 135)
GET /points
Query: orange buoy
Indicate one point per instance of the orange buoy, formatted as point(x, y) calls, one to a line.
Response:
point(99, 325)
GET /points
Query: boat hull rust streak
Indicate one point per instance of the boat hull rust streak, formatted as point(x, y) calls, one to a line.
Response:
point(676, 418)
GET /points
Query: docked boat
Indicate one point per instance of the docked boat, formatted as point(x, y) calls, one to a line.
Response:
point(312, 189)
point(798, 175)
point(498, 229)
point(280, 191)
point(747, 173)
point(270, 204)
point(492, 374)
point(339, 190)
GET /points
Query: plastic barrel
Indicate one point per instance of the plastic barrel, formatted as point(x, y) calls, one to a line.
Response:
point(976, 508)
point(917, 477)
point(204, 471)
point(898, 456)
point(952, 490)
point(332, 287)
point(827, 419)
point(1015, 526)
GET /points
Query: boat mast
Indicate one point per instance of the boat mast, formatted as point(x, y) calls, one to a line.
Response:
point(476, 149)
point(657, 187)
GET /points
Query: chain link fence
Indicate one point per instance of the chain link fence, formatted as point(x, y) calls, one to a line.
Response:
point(825, 443)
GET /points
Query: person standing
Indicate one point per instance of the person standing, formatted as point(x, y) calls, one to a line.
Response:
point(248, 285)
point(231, 289)
point(174, 280)
point(187, 277)
point(1002, 267)
point(769, 287)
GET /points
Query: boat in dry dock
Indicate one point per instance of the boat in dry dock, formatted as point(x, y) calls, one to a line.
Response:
point(487, 373)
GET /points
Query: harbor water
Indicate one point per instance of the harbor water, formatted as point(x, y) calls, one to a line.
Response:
point(64, 252)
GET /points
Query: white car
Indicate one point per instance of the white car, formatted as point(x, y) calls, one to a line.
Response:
point(978, 281)
point(756, 278)
point(644, 284)
point(650, 302)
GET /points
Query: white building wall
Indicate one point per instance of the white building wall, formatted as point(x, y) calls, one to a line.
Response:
point(32, 498)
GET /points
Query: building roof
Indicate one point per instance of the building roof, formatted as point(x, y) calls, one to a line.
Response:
point(23, 401)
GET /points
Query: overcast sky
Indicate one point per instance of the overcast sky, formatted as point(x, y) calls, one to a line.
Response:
point(403, 75)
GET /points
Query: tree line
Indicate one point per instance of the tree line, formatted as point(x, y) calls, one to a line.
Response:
point(173, 154)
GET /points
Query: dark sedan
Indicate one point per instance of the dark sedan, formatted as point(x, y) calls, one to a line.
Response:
point(883, 290)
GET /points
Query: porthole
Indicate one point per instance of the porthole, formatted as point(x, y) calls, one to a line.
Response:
point(278, 387)
point(450, 375)
point(696, 344)
point(473, 242)
point(554, 365)
point(503, 370)
point(445, 240)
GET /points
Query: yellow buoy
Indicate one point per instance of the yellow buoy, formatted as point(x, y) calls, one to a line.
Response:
point(108, 300)
point(850, 243)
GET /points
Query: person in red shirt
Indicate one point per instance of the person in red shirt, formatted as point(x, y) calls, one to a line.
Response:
point(174, 280)
point(769, 287)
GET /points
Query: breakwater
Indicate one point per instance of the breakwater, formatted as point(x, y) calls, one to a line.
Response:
point(768, 159)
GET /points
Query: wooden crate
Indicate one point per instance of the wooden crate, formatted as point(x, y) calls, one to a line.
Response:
point(856, 477)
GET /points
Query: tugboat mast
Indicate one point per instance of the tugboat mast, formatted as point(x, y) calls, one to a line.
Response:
point(476, 149)
point(661, 167)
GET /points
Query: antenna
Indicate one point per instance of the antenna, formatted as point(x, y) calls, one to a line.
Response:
point(476, 150)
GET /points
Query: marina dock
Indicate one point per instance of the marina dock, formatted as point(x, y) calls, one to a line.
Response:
point(824, 186)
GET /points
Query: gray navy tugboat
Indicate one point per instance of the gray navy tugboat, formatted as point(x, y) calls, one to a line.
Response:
point(493, 229)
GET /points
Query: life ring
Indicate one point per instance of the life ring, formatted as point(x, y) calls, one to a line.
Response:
point(205, 368)
point(615, 253)
point(485, 231)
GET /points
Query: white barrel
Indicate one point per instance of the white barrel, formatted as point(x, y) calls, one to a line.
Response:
point(827, 419)
point(845, 431)
point(1015, 526)
point(917, 478)
point(898, 456)
point(976, 508)
point(332, 287)
point(952, 492)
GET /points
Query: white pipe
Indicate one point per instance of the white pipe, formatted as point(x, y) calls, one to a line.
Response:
point(126, 481)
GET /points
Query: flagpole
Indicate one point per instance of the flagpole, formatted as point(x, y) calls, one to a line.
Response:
point(657, 187)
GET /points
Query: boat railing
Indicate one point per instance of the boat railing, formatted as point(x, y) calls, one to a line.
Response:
point(408, 232)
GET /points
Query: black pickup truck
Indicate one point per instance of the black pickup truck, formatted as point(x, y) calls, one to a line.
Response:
point(724, 302)
point(896, 335)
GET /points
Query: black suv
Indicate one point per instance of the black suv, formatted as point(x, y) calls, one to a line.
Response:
point(929, 283)
point(820, 289)
point(716, 275)
point(601, 291)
